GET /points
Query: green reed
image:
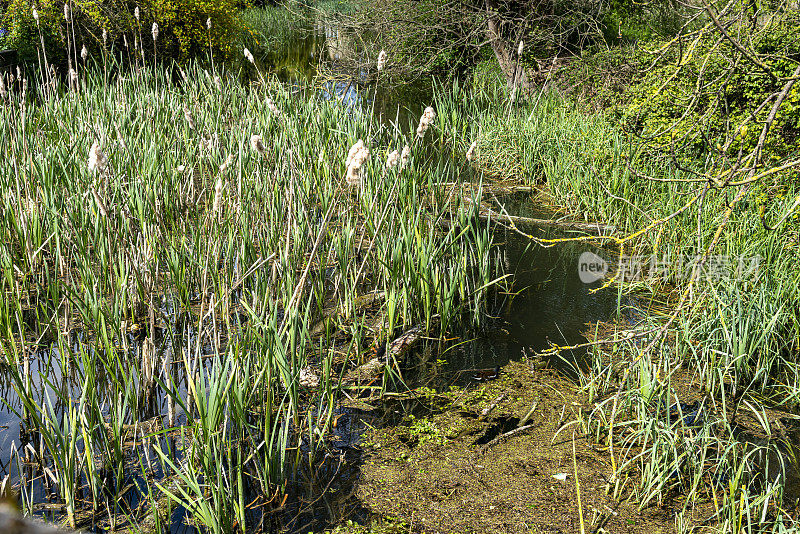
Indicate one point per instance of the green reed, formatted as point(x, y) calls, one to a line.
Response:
point(194, 267)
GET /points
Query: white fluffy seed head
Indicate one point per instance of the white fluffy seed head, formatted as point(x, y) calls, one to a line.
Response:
point(67, 13)
point(427, 118)
point(405, 155)
point(356, 157)
point(273, 108)
point(520, 48)
point(353, 149)
point(155, 31)
point(227, 163)
point(136, 13)
point(249, 56)
point(84, 53)
point(105, 37)
point(97, 159)
point(35, 14)
point(217, 197)
point(258, 144)
point(381, 60)
point(208, 23)
point(471, 151)
point(392, 159)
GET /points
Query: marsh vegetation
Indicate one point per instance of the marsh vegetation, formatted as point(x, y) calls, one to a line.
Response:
point(224, 276)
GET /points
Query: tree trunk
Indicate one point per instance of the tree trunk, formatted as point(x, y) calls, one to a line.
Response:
point(505, 53)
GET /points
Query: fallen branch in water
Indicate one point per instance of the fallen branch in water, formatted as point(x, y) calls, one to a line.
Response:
point(600, 228)
point(501, 437)
point(396, 349)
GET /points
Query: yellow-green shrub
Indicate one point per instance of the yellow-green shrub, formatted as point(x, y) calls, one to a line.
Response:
point(182, 26)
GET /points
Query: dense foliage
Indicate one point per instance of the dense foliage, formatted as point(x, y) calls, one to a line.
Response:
point(182, 24)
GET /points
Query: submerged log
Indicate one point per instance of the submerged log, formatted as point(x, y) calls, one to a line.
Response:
point(396, 349)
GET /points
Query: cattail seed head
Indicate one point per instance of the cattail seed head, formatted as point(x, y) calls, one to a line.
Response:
point(356, 157)
point(3, 91)
point(155, 31)
point(97, 159)
point(35, 15)
point(67, 13)
point(381, 60)
point(136, 13)
point(217, 197)
point(353, 149)
point(405, 155)
point(258, 144)
point(249, 56)
point(73, 79)
point(208, 23)
point(105, 37)
point(187, 114)
point(392, 159)
point(273, 108)
point(428, 116)
point(225, 164)
point(520, 48)
point(471, 151)
point(84, 53)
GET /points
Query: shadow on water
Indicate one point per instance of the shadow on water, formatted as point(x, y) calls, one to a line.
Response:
point(545, 304)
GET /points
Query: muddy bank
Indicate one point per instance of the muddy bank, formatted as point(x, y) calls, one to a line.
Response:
point(446, 471)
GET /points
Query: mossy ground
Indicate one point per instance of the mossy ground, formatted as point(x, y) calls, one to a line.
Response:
point(433, 474)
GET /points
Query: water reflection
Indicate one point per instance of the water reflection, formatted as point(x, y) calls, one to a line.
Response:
point(322, 56)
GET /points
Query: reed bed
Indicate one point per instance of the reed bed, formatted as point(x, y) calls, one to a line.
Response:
point(171, 241)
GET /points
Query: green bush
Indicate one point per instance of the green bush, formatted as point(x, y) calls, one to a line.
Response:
point(182, 26)
point(727, 96)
